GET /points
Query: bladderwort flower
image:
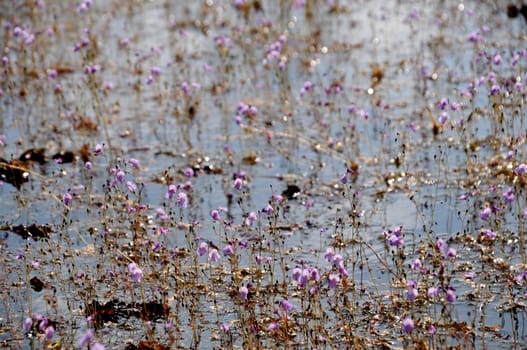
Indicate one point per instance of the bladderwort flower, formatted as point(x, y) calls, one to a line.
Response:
point(286, 305)
point(412, 294)
point(225, 327)
point(243, 292)
point(278, 198)
point(494, 89)
point(28, 323)
point(251, 218)
point(485, 213)
point(508, 195)
point(416, 264)
point(189, 172)
point(182, 200)
point(214, 256)
point(432, 330)
point(451, 253)
point(85, 339)
point(228, 250)
point(97, 346)
point(408, 325)
point(133, 162)
point(443, 118)
point(67, 198)
point(131, 186)
point(497, 59)
point(135, 272)
point(330, 254)
point(238, 183)
point(268, 209)
point(215, 215)
point(432, 292)
point(50, 332)
point(490, 234)
point(333, 280)
point(440, 245)
point(395, 237)
point(450, 295)
point(203, 248)
point(442, 103)
point(98, 150)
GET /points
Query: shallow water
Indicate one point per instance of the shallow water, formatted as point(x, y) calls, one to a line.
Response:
point(379, 71)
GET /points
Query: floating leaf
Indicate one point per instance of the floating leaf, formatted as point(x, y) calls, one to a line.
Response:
point(13, 172)
point(36, 284)
point(64, 157)
point(34, 231)
point(251, 159)
point(291, 192)
point(147, 345)
point(85, 152)
point(34, 154)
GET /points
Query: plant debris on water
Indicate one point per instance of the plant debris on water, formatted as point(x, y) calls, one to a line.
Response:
point(263, 174)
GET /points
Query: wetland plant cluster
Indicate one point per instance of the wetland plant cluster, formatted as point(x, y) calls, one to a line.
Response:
point(262, 174)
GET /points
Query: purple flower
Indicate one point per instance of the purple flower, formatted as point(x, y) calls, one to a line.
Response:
point(214, 256)
point(297, 271)
point(277, 198)
point(272, 326)
point(28, 322)
point(251, 218)
point(412, 294)
point(215, 215)
point(485, 213)
point(330, 254)
point(268, 209)
point(98, 150)
point(443, 118)
point(497, 60)
point(286, 305)
point(450, 295)
point(131, 186)
point(416, 264)
point(451, 253)
point(155, 71)
point(224, 327)
point(494, 89)
point(135, 272)
point(432, 292)
point(508, 195)
point(119, 176)
point(203, 248)
point(440, 245)
point(189, 172)
point(490, 234)
point(238, 184)
point(521, 169)
point(182, 200)
point(172, 189)
point(344, 179)
point(442, 104)
point(228, 250)
point(432, 330)
point(66, 198)
point(333, 280)
point(408, 325)
point(97, 346)
point(243, 292)
point(133, 162)
point(50, 332)
point(88, 165)
point(86, 338)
